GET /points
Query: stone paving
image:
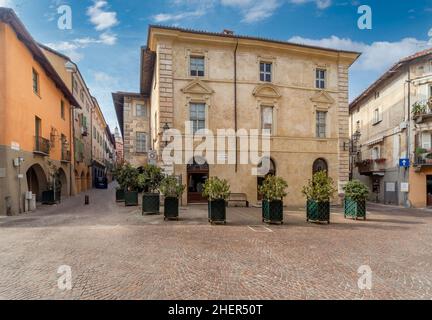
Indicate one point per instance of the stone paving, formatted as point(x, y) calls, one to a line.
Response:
point(116, 253)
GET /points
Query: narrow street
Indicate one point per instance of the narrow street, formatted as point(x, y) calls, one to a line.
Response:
point(116, 253)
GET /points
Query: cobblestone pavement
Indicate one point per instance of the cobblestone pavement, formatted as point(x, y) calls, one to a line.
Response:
point(116, 253)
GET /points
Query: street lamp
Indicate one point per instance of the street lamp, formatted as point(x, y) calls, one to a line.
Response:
point(166, 127)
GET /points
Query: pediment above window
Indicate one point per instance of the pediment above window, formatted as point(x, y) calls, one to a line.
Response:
point(266, 91)
point(322, 97)
point(197, 87)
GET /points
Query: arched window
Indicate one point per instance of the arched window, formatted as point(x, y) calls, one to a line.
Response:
point(320, 165)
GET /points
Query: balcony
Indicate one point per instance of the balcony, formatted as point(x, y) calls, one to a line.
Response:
point(42, 146)
point(371, 167)
point(65, 156)
point(422, 159)
point(422, 111)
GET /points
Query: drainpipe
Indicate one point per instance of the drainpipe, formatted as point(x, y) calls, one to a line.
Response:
point(235, 104)
point(407, 204)
point(72, 142)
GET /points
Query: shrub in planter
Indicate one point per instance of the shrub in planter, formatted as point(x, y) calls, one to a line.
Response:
point(172, 191)
point(273, 191)
point(217, 192)
point(130, 183)
point(150, 181)
point(356, 194)
point(120, 191)
point(318, 192)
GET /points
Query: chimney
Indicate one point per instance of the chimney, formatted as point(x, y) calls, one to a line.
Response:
point(228, 32)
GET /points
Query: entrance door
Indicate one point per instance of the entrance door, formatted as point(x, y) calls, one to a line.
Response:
point(197, 176)
point(429, 190)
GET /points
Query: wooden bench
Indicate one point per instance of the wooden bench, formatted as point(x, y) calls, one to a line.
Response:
point(238, 200)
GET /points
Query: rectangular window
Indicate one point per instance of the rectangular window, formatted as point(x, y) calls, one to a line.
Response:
point(321, 78)
point(267, 119)
point(197, 66)
point(265, 72)
point(377, 94)
point(36, 82)
point(376, 116)
point(321, 126)
point(62, 110)
point(376, 153)
point(141, 111)
point(141, 142)
point(426, 140)
point(197, 116)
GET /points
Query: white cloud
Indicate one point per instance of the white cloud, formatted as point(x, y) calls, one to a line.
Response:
point(166, 17)
point(101, 18)
point(7, 3)
point(72, 48)
point(377, 56)
point(321, 4)
point(254, 10)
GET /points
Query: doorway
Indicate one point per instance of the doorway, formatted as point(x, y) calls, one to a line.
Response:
point(261, 178)
point(197, 175)
point(429, 190)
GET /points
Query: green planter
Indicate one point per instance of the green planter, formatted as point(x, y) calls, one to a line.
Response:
point(217, 211)
point(171, 208)
point(120, 195)
point(355, 209)
point(272, 211)
point(131, 198)
point(318, 211)
point(151, 203)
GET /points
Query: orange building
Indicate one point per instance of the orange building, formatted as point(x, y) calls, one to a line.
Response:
point(35, 121)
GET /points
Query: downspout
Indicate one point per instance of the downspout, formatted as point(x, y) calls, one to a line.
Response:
point(407, 204)
point(72, 143)
point(235, 105)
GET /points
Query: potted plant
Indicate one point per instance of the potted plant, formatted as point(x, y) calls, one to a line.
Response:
point(419, 109)
point(150, 181)
point(356, 194)
point(120, 190)
point(318, 192)
point(217, 192)
point(172, 190)
point(130, 182)
point(273, 191)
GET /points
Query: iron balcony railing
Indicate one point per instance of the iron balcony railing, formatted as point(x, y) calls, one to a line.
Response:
point(42, 145)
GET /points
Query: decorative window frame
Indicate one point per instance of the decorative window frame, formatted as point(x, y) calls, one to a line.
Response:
point(263, 102)
point(206, 100)
point(190, 53)
point(266, 59)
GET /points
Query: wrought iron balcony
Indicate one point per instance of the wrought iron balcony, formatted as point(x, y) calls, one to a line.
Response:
point(370, 167)
point(422, 110)
point(42, 146)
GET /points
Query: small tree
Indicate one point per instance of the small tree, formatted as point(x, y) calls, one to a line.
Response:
point(216, 189)
point(127, 177)
point(171, 188)
point(320, 188)
point(273, 188)
point(356, 190)
point(150, 179)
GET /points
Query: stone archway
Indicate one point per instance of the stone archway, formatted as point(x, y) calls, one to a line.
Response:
point(63, 182)
point(320, 165)
point(36, 180)
point(77, 182)
point(83, 182)
point(197, 174)
point(89, 181)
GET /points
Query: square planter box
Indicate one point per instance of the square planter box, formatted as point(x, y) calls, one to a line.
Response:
point(318, 211)
point(131, 198)
point(355, 209)
point(217, 211)
point(151, 203)
point(272, 211)
point(171, 208)
point(120, 195)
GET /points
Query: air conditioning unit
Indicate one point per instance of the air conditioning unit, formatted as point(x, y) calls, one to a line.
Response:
point(403, 125)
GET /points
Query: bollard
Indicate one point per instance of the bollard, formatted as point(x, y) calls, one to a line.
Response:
point(87, 200)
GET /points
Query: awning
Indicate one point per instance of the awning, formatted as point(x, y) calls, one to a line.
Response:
point(374, 141)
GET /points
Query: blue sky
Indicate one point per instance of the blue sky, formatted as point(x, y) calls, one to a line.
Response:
point(106, 35)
